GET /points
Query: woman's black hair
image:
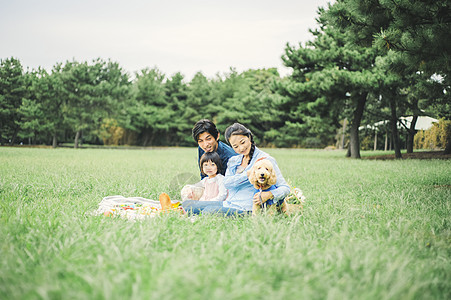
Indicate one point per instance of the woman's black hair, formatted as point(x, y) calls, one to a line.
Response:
point(210, 156)
point(202, 126)
point(240, 129)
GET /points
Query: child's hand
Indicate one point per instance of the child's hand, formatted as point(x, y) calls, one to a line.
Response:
point(187, 193)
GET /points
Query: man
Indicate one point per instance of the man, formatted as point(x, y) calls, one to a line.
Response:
point(206, 135)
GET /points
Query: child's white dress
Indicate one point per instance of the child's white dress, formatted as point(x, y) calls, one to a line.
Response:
point(214, 189)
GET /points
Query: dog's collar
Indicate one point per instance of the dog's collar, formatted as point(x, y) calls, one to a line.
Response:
point(264, 190)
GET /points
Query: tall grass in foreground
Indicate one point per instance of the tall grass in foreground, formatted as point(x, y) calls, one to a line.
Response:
point(369, 230)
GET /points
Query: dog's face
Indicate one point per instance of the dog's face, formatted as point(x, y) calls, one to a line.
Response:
point(262, 174)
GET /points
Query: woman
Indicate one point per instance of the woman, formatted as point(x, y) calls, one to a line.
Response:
point(241, 192)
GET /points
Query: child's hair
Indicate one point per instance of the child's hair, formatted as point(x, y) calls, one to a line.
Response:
point(210, 156)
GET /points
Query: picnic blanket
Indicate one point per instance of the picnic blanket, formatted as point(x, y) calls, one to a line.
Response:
point(132, 208)
point(138, 208)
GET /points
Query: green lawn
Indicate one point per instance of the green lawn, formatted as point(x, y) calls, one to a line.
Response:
point(369, 230)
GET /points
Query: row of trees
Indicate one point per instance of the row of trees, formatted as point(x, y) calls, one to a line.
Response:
point(97, 101)
point(42, 106)
point(369, 60)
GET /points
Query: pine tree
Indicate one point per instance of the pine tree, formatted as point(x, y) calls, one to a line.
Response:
point(150, 96)
point(417, 31)
point(331, 76)
point(12, 90)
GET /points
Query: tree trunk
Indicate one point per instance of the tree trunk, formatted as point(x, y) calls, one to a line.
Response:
point(146, 139)
point(375, 140)
point(448, 145)
point(342, 146)
point(77, 136)
point(13, 139)
point(151, 139)
point(357, 117)
point(54, 142)
point(396, 145)
point(411, 134)
point(394, 127)
point(386, 141)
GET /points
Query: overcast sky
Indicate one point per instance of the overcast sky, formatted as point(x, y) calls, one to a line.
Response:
point(184, 36)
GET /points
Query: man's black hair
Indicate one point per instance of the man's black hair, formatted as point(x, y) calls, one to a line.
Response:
point(202, 126)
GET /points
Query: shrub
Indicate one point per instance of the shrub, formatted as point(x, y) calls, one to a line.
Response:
point(367, 143)
point(435, 137)
point(111, 133)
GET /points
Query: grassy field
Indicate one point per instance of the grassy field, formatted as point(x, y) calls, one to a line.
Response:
point(369, 230)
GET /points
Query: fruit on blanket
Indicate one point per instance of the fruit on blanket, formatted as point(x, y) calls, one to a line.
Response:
point(165, 201)
point(108, 213)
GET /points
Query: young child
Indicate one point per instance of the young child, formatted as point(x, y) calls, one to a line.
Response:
point(213, 186)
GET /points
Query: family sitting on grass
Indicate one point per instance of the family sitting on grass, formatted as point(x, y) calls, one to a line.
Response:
point(226, 187)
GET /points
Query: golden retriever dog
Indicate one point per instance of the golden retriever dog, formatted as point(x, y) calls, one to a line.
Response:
point(262, 176)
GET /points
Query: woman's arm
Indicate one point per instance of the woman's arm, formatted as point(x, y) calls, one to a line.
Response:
point(283, 189)
point(232, 180)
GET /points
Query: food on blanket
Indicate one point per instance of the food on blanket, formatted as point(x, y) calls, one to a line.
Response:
point(165, 202)
point(135, 208)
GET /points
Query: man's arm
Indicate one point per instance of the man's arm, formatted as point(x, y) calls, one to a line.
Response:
point(225, 152)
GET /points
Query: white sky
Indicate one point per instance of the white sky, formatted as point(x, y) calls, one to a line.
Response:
point(172, 35)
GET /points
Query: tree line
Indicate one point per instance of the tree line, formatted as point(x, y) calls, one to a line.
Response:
point(98, 102)
point(368, 61)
